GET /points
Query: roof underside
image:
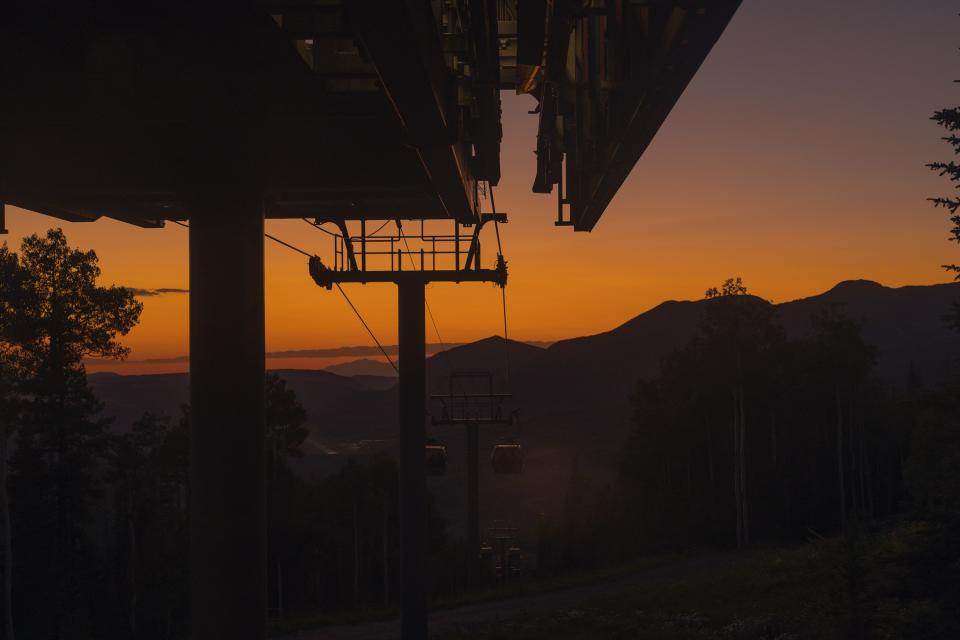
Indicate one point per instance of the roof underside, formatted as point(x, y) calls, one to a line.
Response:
point(337, 110)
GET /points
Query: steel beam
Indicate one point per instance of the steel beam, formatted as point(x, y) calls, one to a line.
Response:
point(228, 524)
point(402, 41)
point(326, 278)
point(487, 129)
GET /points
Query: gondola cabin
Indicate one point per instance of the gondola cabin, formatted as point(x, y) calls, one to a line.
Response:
point(514, 561)
point(436, 458)
point(486, 554)
point(487, 560)
point(507, 457)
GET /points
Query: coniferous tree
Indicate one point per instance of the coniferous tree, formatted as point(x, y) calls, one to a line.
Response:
point(285, 433)
point(691, 476)
point(148, 472)
point(740, 339)
point(844, 361)
point(14, 332)
point(61, 440)
point(949, 119)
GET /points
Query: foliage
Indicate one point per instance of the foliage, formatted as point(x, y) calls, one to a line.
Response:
point(58, 315)
point(148, 472)
point(812, 437)
point(932, 471)
point(71, 314)
point(333, 542)
point(949, 119)
point(780, 593)
point(285, 419)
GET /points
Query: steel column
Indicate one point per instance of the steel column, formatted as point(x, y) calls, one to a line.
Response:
point(413, 479)
point(228, 526)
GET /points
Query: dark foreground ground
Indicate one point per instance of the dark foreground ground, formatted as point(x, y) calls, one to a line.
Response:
point(876, 586)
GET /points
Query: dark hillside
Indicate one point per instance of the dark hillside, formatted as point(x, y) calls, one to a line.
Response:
point(573, 397)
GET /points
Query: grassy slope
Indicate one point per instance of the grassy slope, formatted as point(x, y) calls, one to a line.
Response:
point(826, 589)
point(898, 583)
point(518, 588)
point(757, 595)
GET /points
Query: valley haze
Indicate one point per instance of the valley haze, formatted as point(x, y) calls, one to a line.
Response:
point(573, 396)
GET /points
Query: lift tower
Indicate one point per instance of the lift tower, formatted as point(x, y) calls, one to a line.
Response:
point(411, 284)
point(467, 406)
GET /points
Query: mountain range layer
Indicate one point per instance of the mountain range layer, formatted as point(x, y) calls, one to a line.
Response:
point(573, 397)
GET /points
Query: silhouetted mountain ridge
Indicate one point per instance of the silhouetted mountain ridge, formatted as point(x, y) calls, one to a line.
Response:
point(594, 373)
point(363, 367)
point(573, 396)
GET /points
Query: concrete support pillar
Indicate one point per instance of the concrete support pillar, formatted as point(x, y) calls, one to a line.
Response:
point(413, 480)
point(227, 495)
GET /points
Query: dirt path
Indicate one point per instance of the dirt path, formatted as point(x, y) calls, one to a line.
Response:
point(484, 612)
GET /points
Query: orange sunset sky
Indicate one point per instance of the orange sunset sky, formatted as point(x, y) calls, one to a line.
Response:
point(795, 159)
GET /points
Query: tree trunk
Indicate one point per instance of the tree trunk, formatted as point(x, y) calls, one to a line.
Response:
point(386, 552)
point(840, 473)
point(131, 562)
point(279, 588)
point(7, 533)
point(738, 505)
point(711, 470)
point(773, 439)
point(862, 461)
point(775, 478)
point(356, 556)
point(743, 469)
point(855, 487)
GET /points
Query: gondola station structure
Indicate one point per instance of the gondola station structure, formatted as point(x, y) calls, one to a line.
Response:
point(221, 115)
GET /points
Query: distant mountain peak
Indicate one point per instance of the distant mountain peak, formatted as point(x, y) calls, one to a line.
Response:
point(491, 342)
point(857, 285)
point(362, 367)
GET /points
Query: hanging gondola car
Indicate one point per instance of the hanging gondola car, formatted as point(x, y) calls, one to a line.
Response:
point(514, 561)
point(436, 458)
point(486, 561)
point(507, 457)
point(486, 554)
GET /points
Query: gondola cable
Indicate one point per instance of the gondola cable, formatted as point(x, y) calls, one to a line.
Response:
point(339, 288)
point(337, 235)
point(443, 347)
point(503, 290)
point(426, 303)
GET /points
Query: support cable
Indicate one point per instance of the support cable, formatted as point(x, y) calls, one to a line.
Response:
point(339, 288)
point(503, 290)
point(433, 321)
point(331, 233)
point(289, 246)
point(365, 326)
point(380, 228)
point(319, 228)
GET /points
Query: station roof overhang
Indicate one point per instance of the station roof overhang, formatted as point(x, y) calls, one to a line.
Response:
point(337, 110)
point(606, 75)
point(130, 115)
